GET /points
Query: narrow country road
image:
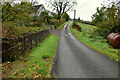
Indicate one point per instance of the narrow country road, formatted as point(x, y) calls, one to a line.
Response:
point(75, 60)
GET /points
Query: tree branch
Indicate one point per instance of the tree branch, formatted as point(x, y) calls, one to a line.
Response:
point(68, 8)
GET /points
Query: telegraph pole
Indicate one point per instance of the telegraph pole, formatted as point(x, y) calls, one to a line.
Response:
point(74, 14)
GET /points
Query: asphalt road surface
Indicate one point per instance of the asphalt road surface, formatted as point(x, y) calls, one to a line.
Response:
point(75, 60)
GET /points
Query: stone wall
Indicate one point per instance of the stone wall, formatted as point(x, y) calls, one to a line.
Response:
point(13, 48)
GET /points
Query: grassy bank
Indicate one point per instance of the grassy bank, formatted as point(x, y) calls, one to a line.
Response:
point(62, 25)
point(89, 38)
point(38, 64)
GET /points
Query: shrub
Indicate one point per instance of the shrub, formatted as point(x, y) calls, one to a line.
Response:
point(8, 29)
point(107, 19)
point(54, 22)
point(62, 20)
point(77, 27)
point(57, 22)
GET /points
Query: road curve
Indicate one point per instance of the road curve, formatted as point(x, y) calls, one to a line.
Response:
point(75, 60)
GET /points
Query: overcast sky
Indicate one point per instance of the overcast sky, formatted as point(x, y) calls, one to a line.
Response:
point(84, 9)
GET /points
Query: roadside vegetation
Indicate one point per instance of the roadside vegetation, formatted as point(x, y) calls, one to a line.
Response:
point(91, 39)
point(61, 26)
point(38, 64)
point(9, 30)
point(17, 19)
point(94, 33)
point(106, 19)
point(58, 22)
point(20, 19)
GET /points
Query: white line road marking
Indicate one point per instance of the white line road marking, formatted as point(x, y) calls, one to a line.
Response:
point(66, 34)
point(69, 35)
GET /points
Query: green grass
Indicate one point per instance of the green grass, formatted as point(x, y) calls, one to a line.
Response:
point(39, 62)
point(39, 55)
point(61, 26)
point(89, 38)
point(86, 28)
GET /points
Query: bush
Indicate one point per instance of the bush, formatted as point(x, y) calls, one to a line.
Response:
point(9, 30)
point(16, 18)
point(62, 20)
point(55, 16)
point(54, 22)
point(77, 27)
point(107, 19)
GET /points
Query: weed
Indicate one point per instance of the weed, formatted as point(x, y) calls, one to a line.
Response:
point(11, 77)
point(45, 56)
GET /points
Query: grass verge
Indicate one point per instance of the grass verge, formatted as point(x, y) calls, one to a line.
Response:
point(38, 64)
point(62, 25)
point(94, 41)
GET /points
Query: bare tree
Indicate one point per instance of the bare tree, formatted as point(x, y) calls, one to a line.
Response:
point(62, 6)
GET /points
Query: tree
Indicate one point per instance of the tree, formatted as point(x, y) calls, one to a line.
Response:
point(118, 6)
point(99, 16)
point(17, 13)
point(66, 16)
point(55, 16)
point(44, 16)
point(62, 6)
point(79, 18)
point(107, 19)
